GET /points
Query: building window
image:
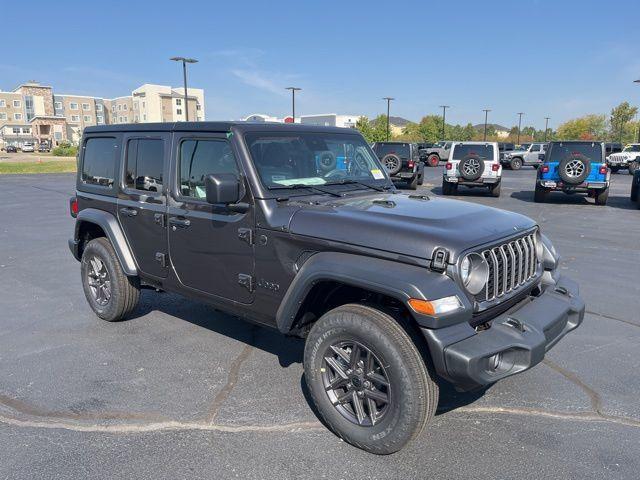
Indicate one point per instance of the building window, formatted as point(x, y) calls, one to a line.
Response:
point(124, 107)
point(87, 118)
point(179, 111)
point(16, 130)
point(57, 105)
point(100, 119)
point(3, 103)
point(57, 135)
point(144, 105)
point(75, 118)
point(198, 106)
point(26, 130)
point(144, 117)
point(16, 104)
point(135, 105)
point(113, 108)
point(119, 107)
point(85, 106)
point(73, 106)
point(121, 119)
point(17, 116)
point(3, 116)
point(178, 101)
point(98, 107)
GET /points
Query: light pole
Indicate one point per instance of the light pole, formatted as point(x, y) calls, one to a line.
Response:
point(388, 99)
point(546, 127)
point(293, 101)
point(638, 81)
point(486, 114)
point(444, 113)
point(184, 74)
point(519, 125)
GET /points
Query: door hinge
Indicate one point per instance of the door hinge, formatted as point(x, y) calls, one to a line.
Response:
point(161, 258)
point(246, 235)
point(246, 281)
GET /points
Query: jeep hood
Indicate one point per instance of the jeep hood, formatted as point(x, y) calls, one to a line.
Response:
point(407, 224)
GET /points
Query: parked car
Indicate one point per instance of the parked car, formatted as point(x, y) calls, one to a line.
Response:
point(423, 152)
point(389, 290)
point(504, 148)
point(437, 153)
point(11, 149)
point(44, 147)
point(635, 188)
point(402, 162)
point(574, 167)
point(473, 164)
point(628, 158)
point(612, 147)
point(27, 147)
point(533, 156)
point(523, 146)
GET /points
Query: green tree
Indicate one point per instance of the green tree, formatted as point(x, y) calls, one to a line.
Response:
point(373, 130)
point(620, 119)
point(589, 127)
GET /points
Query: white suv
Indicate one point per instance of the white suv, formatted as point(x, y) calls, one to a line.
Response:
point(473, 164)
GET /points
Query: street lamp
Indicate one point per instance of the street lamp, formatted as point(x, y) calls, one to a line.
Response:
point(388, 99)
point(444, 113)
point(293, 101)
point(519, 125)
point(184, 74)
point(486, 114)
point(638, 81)
point(546, 127)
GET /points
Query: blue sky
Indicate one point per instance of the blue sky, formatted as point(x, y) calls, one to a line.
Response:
point(546, 58)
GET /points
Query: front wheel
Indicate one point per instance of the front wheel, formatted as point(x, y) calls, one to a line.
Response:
point(449, 188)
point(540, 195)
point(516, 163)
point(367, 379)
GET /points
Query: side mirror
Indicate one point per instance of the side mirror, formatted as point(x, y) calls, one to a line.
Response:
point(222, 188)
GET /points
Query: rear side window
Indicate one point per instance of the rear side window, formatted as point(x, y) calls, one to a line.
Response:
point(483, 152)
point(199, 158)
point(590, 151)
point(99, 161)
point(145, 162)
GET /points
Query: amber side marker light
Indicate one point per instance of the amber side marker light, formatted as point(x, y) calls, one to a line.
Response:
point(435, 307)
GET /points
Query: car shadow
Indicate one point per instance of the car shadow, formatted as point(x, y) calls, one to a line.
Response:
point(288, 350)
point(560, 198)
point(463, 192)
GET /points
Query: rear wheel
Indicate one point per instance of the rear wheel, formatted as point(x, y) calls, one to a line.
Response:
point(367, 379)
point(601, 196)
point(413, 183)
point(494, 189)
point(433, 160)
point(540, 195)
point(635, 187)
point(110, 293)
point(615, 169)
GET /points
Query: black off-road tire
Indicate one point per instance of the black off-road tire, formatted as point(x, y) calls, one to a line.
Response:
point(328, 161)
point(421, 175)
point(540, 194)
point(448, 188)
point(392, 163)
point(471, 158)
point(433, 160)
point(574, 180)
point(601, 196)
point(633, 166)
point(515, 163)
point(635, 188)
point(413, 183)
point(413, 391)
point(125, 291)
point(494, 189)
point(614, 168)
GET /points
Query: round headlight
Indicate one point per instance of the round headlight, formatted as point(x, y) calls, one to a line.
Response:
point(474, 273)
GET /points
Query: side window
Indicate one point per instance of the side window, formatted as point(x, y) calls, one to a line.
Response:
point(535, 148)
point(99, 161)
point(145, 162)
point(199, 158)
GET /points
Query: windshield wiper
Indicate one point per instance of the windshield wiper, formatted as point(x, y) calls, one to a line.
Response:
point(297, 186)
point(348, 181)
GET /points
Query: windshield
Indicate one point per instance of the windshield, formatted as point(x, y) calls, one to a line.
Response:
point(591, 151)
point(632, 148)
point(289, 159)
point(483, 152)
point(382, 149)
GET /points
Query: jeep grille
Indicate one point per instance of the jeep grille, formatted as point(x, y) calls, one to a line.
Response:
point(511, 265)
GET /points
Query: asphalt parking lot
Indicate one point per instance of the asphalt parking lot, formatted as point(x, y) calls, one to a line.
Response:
point(182, 391)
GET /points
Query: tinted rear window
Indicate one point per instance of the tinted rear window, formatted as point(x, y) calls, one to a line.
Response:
point(484, 152)
point(99, 161)
point(590, 150)
point(383, 149)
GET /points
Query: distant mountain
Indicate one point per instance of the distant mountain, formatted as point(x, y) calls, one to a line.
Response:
point(398, 121)
point(480, 127)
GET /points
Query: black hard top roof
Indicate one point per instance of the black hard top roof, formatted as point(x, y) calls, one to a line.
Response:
point(215, 127)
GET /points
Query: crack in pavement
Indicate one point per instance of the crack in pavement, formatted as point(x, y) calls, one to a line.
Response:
point(594, 397)
point(610, 317)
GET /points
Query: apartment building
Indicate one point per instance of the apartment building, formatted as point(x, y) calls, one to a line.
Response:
point(34, 113)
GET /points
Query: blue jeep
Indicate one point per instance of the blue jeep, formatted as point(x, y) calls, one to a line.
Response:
point(574, 167)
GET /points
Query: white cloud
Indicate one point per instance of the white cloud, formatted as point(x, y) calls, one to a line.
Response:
point(269, 82)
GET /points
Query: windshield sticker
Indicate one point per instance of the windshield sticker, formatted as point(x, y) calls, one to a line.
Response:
point(377, 174)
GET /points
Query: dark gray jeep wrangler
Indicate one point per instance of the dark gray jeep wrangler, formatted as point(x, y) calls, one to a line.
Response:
point(300, 228)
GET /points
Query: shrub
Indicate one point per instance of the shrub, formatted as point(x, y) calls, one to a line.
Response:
point(65, 149)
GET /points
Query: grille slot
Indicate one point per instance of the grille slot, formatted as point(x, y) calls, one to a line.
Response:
point(511, 265)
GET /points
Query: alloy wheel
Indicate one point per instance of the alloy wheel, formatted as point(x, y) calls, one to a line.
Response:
point(356, 383)
point(471, 167)
point(574, 168)
point(99, 281)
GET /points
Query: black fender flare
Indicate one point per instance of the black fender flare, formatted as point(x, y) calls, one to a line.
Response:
point(398, 280)
point(110, 226)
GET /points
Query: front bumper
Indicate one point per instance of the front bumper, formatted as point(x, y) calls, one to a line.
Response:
point(516, 341)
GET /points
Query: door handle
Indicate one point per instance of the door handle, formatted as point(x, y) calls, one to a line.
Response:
point(179, 222)
point(129, 212)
